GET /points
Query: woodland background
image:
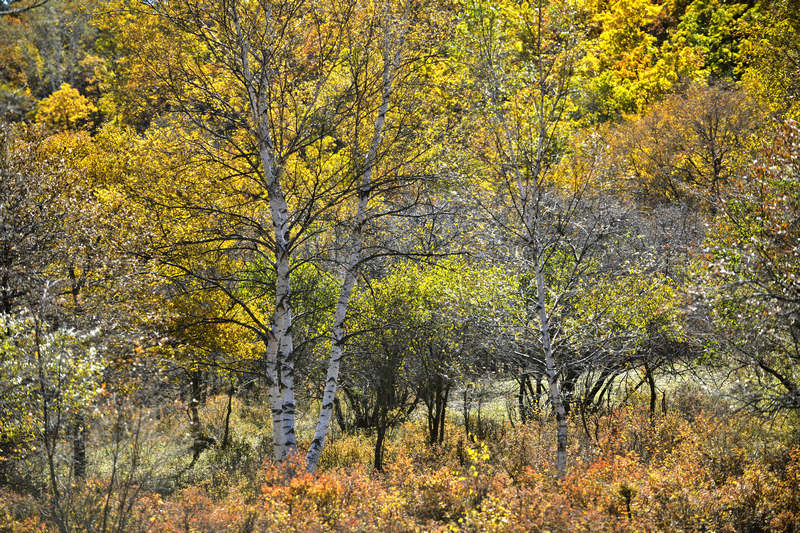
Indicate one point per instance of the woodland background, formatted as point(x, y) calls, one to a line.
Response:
point(399, 265)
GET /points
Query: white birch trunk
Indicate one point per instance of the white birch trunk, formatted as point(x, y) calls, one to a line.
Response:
point(280, 357)
point(271, 366)
point(284, 340)
point(351, 267)
point(332, 377)
point(551, 371)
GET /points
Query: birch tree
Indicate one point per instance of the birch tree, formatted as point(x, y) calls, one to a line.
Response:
point(393, 62)
point(296, 122)
point(520, 61)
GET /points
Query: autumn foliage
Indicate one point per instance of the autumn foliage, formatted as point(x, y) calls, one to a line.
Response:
point(399, 265)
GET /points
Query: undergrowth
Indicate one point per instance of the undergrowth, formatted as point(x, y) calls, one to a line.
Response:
point(700, 469)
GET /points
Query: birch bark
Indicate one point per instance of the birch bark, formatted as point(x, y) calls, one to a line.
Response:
point(391, 59)
point(528, 174)
point(280, 346)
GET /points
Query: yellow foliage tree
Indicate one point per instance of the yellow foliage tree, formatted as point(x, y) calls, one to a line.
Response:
point(66, 109)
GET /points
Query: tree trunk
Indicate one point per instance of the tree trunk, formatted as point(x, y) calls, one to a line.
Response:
point(226, 437)
point(79, 435)
point(467, 431)
point(379, 440)
point(334, 363)
point(49, 433)
point(528, 185)
point(442, 412)
point(280, 346)
point(344, 427)
point(390, 65)
point(273, 384)
point(526, 391)
point(551, 371)
point(283, 321)
point(523, 411)
point(436, 404)
point(651, 383)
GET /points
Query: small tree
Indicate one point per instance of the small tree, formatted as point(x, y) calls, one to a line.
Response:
point(520, 60)
point(754, 254)
point(688, 148)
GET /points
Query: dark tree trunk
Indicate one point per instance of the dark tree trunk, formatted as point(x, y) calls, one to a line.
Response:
point(379, 441)
point(79, 435)
point(337, 412)
point(226, 437)
point(651, 382)
point(527, 398)
point(435, 397)
point(568, 383)
point(198, 441)
point(443, 406)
